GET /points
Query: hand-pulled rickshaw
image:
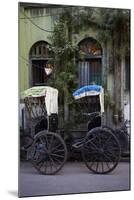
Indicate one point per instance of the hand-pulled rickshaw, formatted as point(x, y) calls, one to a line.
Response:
point(48, 151)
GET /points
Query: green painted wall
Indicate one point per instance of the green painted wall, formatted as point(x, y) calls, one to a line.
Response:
point(28, 35)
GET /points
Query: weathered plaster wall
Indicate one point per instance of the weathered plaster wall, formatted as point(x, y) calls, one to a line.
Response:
point(30, 34)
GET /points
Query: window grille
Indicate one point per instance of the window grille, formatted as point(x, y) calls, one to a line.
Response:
point(90, 53)
point(40, 56)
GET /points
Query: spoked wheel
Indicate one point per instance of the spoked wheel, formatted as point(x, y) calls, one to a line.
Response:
point(101, 151)
point(49, 152)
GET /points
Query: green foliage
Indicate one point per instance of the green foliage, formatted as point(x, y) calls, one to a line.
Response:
point(115, 26)
point(112, 26)
point(64, 55)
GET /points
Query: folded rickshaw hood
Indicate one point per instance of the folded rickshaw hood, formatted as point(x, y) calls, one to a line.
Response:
point(50, 94)
point(91, 90)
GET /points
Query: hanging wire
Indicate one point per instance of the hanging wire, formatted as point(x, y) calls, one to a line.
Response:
point(49, 31)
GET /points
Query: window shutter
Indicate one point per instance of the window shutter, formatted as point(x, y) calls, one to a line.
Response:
point(84, 73)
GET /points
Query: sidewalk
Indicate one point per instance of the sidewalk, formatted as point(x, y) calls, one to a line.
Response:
point(73, 178)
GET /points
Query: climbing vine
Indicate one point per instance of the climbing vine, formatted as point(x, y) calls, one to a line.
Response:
point(112, 26)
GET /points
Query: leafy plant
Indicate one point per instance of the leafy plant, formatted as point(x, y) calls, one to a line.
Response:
point(112, 26)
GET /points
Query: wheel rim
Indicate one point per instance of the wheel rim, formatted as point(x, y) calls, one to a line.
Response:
point(101, 151)
point(49, 153)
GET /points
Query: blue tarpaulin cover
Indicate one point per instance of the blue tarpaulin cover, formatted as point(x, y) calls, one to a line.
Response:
point(91, 90)
point(88, 88)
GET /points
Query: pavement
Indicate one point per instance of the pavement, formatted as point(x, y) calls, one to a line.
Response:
point(73, 178)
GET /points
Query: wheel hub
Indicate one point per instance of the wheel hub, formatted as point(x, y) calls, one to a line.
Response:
point(48, 152)
point(101, 150)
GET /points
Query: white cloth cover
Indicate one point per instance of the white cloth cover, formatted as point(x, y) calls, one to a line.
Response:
point(50, 94)
point(94, 90)
point(101, 95)
point(51, 100)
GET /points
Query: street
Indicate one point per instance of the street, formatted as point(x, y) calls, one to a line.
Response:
point(73, 178)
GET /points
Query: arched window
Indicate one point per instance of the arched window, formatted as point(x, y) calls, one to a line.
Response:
point(41, 66)
point(90, 55)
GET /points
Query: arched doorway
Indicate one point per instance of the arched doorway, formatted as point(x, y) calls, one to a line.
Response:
point(41, 67)
point(90, 62)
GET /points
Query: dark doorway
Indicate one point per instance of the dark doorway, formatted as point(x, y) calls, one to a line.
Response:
point(38, 72)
